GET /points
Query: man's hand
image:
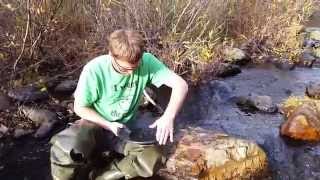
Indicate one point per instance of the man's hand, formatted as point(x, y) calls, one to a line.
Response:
point(164, 129)
point(114, 127)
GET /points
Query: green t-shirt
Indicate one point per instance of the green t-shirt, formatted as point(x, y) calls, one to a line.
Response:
point(113, 95)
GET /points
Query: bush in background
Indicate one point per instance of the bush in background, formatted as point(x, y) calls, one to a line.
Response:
point(189, 35)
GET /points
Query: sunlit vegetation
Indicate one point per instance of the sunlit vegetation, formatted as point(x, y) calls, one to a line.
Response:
point(187, 34)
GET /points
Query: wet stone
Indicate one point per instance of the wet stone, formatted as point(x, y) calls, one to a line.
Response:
point(221, 91)
point(315, 35)
point(28, 94)
point(308, 43)
point(303, 122)
point(43, 118)
point(226, 70)
point(313, 90)
point(236, 56)
point(254, 102)
point(67, 86)
point(306, 59)
point(204, 154)
point(4, 102)
point(21, 132)
point(3, 130)
point(283, 64)
point(316, 52)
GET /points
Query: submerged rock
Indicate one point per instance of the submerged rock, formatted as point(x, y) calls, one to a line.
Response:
point(28, 94)
point(303, 122)
point(221, 91)
point(203, 154)
point(313, 90)
point(43, 118)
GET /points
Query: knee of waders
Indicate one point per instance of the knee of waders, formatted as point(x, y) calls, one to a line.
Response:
point(149, 161)
point(75, 142)
point(64, 167)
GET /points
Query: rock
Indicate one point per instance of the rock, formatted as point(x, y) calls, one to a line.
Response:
point(311, 29)
point(308, 43)
point(4, 102)
point(67, 87)
point(21, 132)
point(313, 90)
point(254, 102)
point(283, 64)
point(28, 94)
point(43, 118)
point(44, 129)
point(3, 130)
point(221, 91)
point(236, 56)
point(203, 154)
point(315, 35)
point(144, 102)
point(279, 63)
point(316, 52)
point(303, 123)
point(306, 59)
point(226, 70)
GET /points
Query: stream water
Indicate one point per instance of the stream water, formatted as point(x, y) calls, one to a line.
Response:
point(212, 107)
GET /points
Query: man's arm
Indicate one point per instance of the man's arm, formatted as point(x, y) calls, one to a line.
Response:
point(91, 115)
point(165, 123)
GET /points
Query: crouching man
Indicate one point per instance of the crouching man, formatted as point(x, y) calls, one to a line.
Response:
point(107, 98)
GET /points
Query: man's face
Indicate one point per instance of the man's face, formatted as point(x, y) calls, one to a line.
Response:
point(123, 66)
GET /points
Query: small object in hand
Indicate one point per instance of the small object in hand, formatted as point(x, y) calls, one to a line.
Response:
point(124, 133)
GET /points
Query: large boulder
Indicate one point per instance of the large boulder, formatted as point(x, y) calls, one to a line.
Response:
point(302, 121)
point(203, 154)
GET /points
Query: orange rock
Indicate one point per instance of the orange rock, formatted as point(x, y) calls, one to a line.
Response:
point(203, 154)
point(303, 123)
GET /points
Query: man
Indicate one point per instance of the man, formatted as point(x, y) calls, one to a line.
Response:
point(107, 98)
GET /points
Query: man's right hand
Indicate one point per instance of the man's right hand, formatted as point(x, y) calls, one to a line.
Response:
point(113, 127)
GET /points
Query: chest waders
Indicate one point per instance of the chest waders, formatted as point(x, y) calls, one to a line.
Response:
point(77, 150)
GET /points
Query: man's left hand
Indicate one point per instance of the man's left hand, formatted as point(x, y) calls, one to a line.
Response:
point(164, 129)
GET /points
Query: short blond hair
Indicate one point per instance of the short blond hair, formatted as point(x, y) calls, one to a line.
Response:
point(127, 45)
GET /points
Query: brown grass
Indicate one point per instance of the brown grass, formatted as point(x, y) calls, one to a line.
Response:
point(188, 35)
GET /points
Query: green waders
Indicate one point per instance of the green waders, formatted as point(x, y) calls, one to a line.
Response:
point(75, 152)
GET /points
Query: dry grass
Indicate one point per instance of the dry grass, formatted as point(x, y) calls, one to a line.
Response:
point(187, 34)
